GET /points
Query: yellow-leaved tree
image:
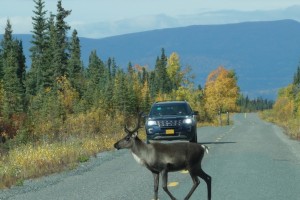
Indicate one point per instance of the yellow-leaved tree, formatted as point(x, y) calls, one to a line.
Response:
point(221, 92)
point(284, 106)
point(174, 70)
point(67, 95)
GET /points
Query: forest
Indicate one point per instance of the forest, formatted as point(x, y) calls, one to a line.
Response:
point(58, 112)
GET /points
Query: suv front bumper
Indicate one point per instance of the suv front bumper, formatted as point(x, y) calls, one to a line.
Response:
point(157, 133)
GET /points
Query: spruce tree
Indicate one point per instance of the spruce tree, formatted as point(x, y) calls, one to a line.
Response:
point(61, 54)
point(21, 70)
point(7, 40)
point(152, 85)
point(113, 67)
point(95, 69)
point(48, 72)
point(109, 65)
point(94, 79)
point(1, 64)
point(13, 74)
point(120, 100)
point(35, 80)
point(162, 80)
point(13, 80)
point(297, 77)
point(75, 68)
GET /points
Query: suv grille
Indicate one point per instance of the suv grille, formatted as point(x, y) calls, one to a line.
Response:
point(169, 123)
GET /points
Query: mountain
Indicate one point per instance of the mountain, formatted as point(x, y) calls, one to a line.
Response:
point(264, 55)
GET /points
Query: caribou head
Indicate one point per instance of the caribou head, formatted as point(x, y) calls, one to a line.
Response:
point(128, 141)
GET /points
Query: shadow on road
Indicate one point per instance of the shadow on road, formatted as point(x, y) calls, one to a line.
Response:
point(216, 142)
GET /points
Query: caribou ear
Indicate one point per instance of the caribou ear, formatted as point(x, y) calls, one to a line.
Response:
point(135, 134)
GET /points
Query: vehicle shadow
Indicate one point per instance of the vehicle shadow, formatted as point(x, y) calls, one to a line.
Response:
point(216, 142)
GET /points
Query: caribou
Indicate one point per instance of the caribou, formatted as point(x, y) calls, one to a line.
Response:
point(161, 158)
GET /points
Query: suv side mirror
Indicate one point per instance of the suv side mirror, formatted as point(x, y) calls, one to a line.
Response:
point(195, 113)
point(144, 115)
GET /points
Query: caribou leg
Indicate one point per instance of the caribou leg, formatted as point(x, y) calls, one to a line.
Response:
point(156, 183)
point(207, 180)
point(164, 175)
point(196, 183)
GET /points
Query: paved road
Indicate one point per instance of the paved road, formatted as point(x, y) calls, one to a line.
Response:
point(251, 160)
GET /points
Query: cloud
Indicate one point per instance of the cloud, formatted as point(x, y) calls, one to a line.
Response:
point(140, 23)
point(130, 25)
point(150, 22)
point(19, 24)
point(234, 16)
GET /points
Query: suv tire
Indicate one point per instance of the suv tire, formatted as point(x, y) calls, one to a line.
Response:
point(195, 139)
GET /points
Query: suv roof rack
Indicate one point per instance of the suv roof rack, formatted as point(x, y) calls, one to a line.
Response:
point(170, 101)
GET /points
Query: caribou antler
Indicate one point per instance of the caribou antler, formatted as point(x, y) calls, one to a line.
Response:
point(137, 126)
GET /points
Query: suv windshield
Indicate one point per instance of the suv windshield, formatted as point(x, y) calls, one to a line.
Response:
point(169, 109)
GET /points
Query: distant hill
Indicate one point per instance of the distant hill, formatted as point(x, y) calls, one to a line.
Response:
point(264, 55)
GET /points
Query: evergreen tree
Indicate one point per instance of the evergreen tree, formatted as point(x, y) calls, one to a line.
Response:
point(75, 68)
point(120, 99)
point(132, 97)
point(13, 74)
point(145, 75)
point(162, 80)
point(1, 64)
point(7, 40)
point(48, 71)
point(13, 80)
point(152, 85)
point(113, 68)
point(21, 71)
point(253, 105)
point(94, 78)
point(109, 63)
point(38, 49)
point(95, 69)
point(297, 77)
point(130, 69)
point(108, 85)
point(60, 53)
point(146, 101)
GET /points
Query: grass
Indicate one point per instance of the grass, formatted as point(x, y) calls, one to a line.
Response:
point(291, 125)
point(32, 161)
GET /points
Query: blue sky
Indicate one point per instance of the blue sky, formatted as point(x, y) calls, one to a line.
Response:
point(103, 18)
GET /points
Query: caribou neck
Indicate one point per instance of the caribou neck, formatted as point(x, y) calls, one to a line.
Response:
point(140, 152)
point(139, 147)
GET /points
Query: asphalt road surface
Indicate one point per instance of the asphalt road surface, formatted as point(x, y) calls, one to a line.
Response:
point(250, 160)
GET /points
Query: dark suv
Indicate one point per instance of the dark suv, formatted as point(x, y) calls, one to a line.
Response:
point(171, 120)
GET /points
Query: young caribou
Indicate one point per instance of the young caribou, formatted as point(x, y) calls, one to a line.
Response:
point(162, 158)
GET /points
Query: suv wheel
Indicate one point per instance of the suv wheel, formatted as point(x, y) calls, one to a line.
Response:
point(194, 139)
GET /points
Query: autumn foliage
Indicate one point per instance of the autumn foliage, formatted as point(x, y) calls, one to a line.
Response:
point(286, 110)
point(221, 92)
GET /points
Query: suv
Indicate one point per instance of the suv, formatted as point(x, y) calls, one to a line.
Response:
point(171, 120)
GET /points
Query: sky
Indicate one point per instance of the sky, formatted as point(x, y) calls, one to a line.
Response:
point(104, 18)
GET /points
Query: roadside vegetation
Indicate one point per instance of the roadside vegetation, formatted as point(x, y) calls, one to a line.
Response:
point(58, 112)
point(286, 110)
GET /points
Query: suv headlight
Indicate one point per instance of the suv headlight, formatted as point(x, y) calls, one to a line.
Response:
point(151, 123)
point(188, 121)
